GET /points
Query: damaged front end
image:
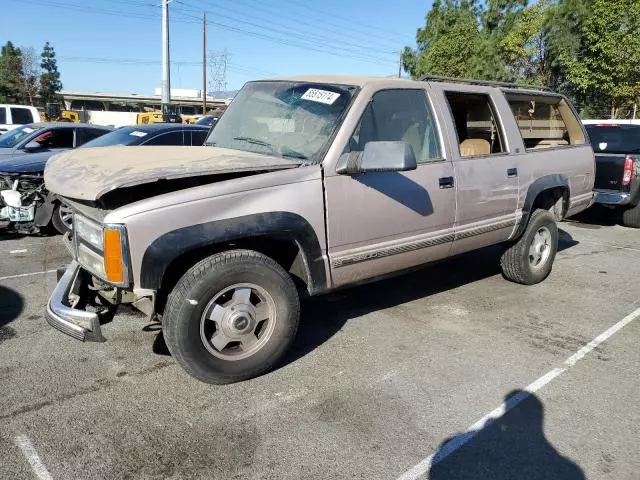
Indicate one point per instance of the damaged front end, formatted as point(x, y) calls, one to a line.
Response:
point(25, 204)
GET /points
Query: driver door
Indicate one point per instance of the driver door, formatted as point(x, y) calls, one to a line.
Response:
point(382, 222)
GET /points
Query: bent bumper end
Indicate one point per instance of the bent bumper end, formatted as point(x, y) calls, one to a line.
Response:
point(79, 324)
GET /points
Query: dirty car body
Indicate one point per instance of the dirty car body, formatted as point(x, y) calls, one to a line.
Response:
point(25, 203)
point(305, 185)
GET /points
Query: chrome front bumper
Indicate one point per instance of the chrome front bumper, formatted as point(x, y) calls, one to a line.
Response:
point(80, 324)
point(612, 198)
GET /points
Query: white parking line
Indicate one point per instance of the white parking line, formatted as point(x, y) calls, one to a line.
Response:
point(425, 465)
point(27, 274)
point(24, 250)
point(24, 444)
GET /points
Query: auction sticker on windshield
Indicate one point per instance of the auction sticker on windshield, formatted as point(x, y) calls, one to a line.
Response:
point(322, 96)
point(138, 134)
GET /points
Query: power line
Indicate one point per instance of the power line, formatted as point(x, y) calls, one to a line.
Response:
point(301, 45)
point(360, 38)
point(308, 43)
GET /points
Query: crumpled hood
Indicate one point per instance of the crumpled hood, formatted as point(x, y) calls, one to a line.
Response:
point(89, 173)
point(27, 163)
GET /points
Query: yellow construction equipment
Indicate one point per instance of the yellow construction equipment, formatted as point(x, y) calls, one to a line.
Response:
point(53, 113)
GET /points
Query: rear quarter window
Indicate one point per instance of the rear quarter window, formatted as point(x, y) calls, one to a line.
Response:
point(545, 121)
point(21, 116)
point(3, 115)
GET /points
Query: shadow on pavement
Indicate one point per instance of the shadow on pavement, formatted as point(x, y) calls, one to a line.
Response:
point(322, 317)
point(512, 446)
point(597, 217)
point(11, 306)
point(565, 240)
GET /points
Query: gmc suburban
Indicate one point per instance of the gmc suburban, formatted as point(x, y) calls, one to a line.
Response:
point(305, 185)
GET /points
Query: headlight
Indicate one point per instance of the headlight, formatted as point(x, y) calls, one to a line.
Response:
point(91, 260)
point(102, 249)
point(88, 231)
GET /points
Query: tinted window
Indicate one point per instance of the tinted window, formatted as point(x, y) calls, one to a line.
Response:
point(84, 135)
point(21, 116)
point(58, 138)
point(476, 123)
point(3, 115)
point(399, 115)
point(121, 136)
point(545, 121)
point(179, 137)
point(198, 137)
point(614, 138)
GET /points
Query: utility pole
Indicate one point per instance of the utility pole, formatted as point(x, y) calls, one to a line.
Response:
point(400, 65)
point(204, 63)
point(166, 73)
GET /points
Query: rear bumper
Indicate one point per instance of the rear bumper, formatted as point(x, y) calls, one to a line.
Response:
point(79, 324)
point(612, 198)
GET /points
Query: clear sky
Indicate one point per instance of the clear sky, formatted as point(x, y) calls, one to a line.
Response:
point(115, 45)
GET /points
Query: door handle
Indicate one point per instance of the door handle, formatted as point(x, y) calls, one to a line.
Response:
point(446, 182)
point(512, 172)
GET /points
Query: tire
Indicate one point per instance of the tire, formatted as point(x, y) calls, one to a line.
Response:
point(57, 220)
point(211, 323)
point(631, 217)
point(522, 262)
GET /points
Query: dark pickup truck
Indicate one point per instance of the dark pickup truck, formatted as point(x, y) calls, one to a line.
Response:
point(617, 183)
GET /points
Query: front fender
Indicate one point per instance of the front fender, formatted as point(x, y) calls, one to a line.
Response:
point(166, 248)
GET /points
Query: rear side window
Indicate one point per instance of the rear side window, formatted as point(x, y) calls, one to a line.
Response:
point(476, 124)
point(3, 115)
point(198, 138)
point(399, 115)
point(171, 138)
point(545, 122)
point(21, 116)
point(84, 135)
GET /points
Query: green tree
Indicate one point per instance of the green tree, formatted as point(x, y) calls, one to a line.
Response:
point(10, 74)
point(450, 42)
point(50, 84)
point(595, 47)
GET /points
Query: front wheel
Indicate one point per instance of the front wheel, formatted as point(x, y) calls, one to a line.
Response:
point(62, 218)
point(529, 260)
point(231, 317)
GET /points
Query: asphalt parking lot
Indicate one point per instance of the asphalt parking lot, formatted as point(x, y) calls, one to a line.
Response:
point(383, 382)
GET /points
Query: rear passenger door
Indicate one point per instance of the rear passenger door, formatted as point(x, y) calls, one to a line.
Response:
point(486, 172)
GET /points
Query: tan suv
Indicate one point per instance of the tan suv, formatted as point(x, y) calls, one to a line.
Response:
point(304, 185)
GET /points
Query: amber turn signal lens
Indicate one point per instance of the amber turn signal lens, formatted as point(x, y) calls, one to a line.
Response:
point(113, 261)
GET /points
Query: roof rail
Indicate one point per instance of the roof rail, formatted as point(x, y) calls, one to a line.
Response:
point(489, 83)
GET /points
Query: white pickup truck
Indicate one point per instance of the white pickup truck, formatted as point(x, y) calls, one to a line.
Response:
point(12, 116)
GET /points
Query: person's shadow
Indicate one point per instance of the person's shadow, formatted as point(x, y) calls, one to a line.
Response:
point(510, 447)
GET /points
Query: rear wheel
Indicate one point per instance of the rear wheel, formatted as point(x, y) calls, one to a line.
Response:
point(631, 217)
point(529, 260)
point(231, 317)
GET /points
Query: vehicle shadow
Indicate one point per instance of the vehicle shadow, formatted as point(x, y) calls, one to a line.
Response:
point(11, 306)
point(597, 217)
point(565, 240)
point(511, 446)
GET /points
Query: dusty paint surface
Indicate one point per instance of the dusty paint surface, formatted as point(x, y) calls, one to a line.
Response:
point(89, 173)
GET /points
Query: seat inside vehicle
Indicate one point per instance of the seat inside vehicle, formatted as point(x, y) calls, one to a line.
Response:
point(476, 125)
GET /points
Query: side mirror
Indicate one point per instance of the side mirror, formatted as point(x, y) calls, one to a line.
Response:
point(378, 157)
point(32, 146)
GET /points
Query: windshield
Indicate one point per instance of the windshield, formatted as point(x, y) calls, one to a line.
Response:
point(123, 136)
point(17, 135)
point(615, 138)
point(286, 119)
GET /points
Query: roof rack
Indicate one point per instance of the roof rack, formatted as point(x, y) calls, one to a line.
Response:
point(489, 83)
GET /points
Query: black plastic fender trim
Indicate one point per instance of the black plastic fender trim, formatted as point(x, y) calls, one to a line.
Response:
point(540, 185)
point(166, 248)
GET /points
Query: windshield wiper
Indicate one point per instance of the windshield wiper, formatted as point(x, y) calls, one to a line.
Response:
point(287, 152)
point(255, 141)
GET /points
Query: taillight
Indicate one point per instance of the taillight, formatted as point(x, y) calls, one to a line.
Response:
point(629, 170)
